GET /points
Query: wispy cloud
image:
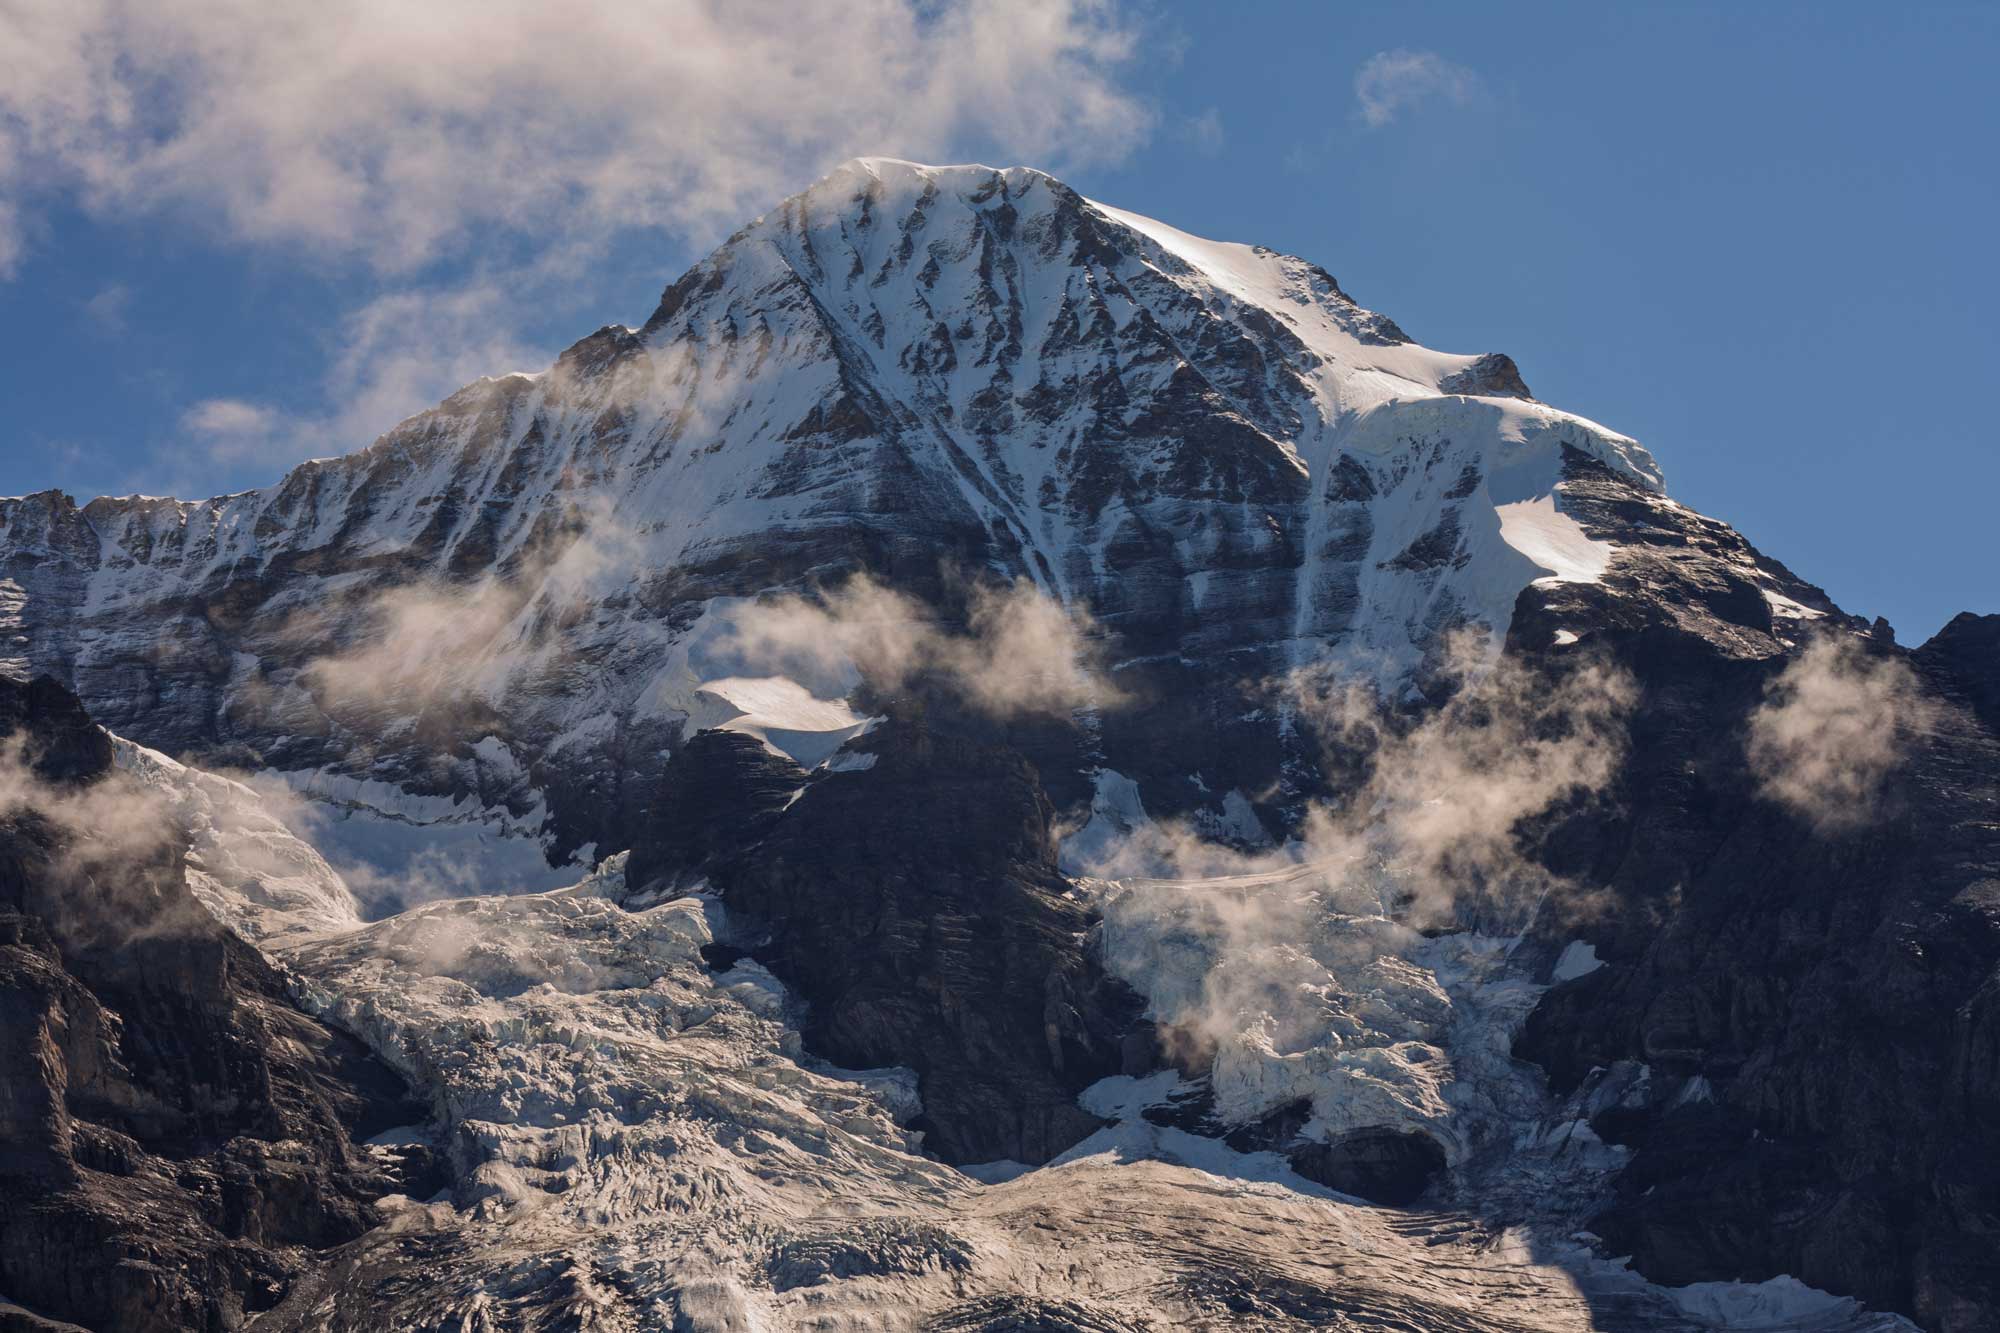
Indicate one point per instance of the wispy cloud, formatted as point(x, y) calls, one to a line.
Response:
point(107, 309)
point(395, 354)
point(1392, 82)
point(13, 227)
point(1431, 835)
point(1443, 796)
point(231, 429)
point(1022, 652)
point(107, 844)
point(1835, 724)
point(390, 141)
point(1204, 133)
point(383, 131)
point(441, 648)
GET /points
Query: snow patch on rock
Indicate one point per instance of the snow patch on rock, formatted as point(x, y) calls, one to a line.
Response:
point(781, 713)
point(1554, 541)
point(396, 848)
point(1578, 959)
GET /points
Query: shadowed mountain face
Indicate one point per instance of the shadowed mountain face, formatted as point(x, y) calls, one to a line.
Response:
point(176, 1138)
point(921, 913)
point(1811, 986)
point(613, 606)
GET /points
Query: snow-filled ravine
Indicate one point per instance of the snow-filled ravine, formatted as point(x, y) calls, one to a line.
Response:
point(637, 1139)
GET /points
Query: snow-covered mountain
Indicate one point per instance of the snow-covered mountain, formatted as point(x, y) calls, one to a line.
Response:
point(998, 765)
point(1229, 463)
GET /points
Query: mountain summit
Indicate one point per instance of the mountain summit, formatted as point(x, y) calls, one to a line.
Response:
point(1230, 464)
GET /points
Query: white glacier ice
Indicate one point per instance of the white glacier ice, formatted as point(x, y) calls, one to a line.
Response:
point(639, 1129)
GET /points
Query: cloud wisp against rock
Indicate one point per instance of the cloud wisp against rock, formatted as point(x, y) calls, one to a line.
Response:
point(1020, 652)
point(1250, 952)
point(1441, 794)
point(107, 846)
point(1835, 723)
point(435, 646)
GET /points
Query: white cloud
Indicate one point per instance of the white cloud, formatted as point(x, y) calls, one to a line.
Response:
point(230, 430)
point(383, 131)
point(11, 240)
point(228, 417)
point(1444, 794)
point(397, 353)
point(408, 348)
point(396, 140)
point(1390, 82)
point(433, 145)
point(1023, 653)
point(1429, 836)
point(1836, 722)
point(107, 309)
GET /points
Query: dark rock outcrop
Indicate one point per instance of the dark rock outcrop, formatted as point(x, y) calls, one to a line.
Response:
point(917, 909)
point(1382, 1165)
point(1965, 657)
point(722, 791)
point(175, 1136)
point(1819, 1006)
point(1493, 375)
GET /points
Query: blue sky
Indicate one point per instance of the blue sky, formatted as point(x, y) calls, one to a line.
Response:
point(1758, 237)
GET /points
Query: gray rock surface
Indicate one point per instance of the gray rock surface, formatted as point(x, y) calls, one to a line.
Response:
point(177, 1140)
point(1814, 999)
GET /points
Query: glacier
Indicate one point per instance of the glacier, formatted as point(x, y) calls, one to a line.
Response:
point(638, 1139)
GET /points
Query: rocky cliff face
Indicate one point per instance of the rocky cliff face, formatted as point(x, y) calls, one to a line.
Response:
point(916, 906)
point(1808, 984)
point(176, 1139)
